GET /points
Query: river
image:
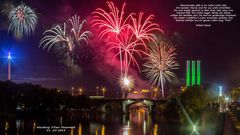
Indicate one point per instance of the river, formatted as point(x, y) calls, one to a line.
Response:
point(137, 122)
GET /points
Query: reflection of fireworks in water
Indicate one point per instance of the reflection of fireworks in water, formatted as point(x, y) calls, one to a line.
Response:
point(160, 62)
point(22, 21)
point(67, 40)
point(125, 36)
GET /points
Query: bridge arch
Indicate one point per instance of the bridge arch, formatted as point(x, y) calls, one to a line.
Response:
point(126, 104)
point(110, 106)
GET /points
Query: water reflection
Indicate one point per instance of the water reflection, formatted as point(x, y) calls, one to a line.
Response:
point(137, 122)
point(127, 129)
point(60, 120)
point(18, 122)
point(6, 127)
point(97, 129)
point(72, 129)
point(20, 125)
point(103, 130)
point(155, 129)
point(96, 132)
point(80, 129)
point(144, 127)
point(34, 127)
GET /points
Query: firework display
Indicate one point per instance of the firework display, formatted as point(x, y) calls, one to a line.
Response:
point(160, 63)
point(119, 67)
point(126, 35)
point(112, 22)
point(64, 37)
point(56, 35)
point(77, 31)
point(22, 21)
point(144, 28)
point(126, 82)
point(125, 46)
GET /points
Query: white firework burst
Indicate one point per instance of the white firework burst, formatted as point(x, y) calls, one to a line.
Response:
point(160, 63)
point(57, 36)
point(68, 38)
point(22, 21)
point(76, 29)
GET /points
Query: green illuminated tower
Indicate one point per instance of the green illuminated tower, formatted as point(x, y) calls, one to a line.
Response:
point(198, 72)
point(188, 73)
point(193, 72)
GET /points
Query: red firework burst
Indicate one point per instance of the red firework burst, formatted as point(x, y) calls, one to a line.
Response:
point(144, 28)
point(113, 21)
point(125, 45)
point(126, 36)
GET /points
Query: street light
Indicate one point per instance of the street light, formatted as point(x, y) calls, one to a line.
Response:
point(72, 91)
point(80, 91)
point(103, 90)
point(97, 90)
point(155, 92)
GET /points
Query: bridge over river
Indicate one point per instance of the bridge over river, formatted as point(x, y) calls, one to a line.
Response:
point(124, 105)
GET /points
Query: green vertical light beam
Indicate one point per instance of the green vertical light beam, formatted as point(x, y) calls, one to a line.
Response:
point(193, 72)
point(188, 73)
point(198, 72)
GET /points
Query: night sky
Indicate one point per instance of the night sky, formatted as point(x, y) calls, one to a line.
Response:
point(216, 46)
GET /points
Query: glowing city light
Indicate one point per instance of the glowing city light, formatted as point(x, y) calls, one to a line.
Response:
point(9, 56)
point(188, 78)
point(103, 91)
point(198, 72)
point(220, 91)
point(194, 128)
point(193, 73)
point(227, 98)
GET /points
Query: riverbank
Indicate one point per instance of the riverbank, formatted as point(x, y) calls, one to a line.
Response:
point(232, 124)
